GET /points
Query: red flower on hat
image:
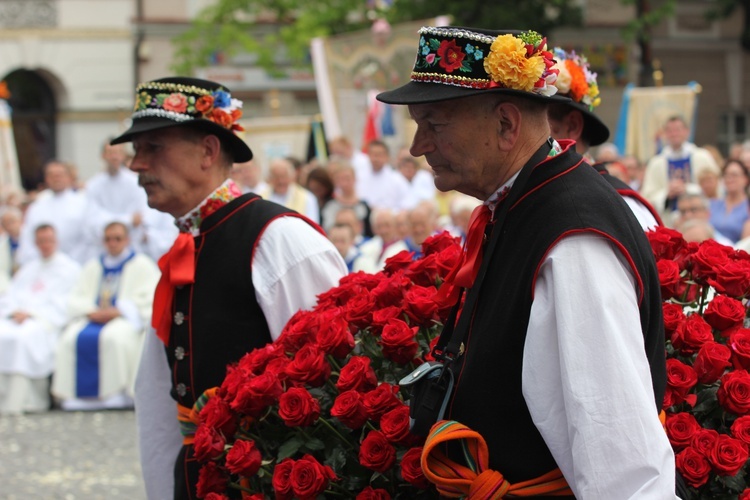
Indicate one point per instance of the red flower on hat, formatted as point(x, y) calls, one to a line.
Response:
point(176, 102)
point(451, 55)
point(204, 104)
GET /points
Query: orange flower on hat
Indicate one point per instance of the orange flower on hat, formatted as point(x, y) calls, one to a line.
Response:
point(4, 92)
point(204, 104)
point(221, 118)
point(508, 65)
point(578, 85)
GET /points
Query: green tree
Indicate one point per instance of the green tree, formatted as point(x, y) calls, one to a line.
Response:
point(725, 8)
point(276, 30)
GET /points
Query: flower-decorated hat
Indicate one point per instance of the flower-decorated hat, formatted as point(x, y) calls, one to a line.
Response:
point(454, 62)
point(169, 102)
point(576, 81)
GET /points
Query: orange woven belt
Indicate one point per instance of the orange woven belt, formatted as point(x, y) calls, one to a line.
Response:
point(475, 480)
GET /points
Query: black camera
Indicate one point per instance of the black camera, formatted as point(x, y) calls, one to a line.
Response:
point(431, 385)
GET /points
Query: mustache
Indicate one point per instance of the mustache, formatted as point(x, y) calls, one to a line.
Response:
point(144, 179)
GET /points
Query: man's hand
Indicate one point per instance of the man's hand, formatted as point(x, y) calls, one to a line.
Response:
point(103, 315)
point(676, 188)
point(19, 316)
point(137, 219)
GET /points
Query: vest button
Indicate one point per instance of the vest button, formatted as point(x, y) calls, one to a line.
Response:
point(181, 389)
point(179, 318)
point(179, 353)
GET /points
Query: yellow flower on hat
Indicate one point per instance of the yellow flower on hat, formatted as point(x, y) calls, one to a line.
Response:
point(508, 65)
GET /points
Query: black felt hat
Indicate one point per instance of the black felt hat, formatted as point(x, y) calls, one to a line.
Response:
point(182, 101)
point(454, 62)
point(576, 81)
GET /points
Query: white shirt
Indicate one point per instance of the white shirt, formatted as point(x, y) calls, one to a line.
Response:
point(586, 378)
point(65, 212)
point(385, 189)
point(422, 187)
point(292, 264)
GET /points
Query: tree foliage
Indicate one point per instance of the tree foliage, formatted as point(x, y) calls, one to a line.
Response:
point(276, 30)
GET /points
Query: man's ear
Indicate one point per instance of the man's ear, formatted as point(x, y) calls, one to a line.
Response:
point(211, 150)
point(574, 123)
point(508, 119)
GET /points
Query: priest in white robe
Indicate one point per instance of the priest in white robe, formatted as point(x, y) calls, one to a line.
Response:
point(112, 195)
point(61, 207)
point(110, 306)
point(32, 314)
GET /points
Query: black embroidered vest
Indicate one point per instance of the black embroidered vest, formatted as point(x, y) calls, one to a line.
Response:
point(217, 319)
point(562, 195)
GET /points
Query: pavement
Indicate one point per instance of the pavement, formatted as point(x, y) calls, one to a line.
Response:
point(60, 455)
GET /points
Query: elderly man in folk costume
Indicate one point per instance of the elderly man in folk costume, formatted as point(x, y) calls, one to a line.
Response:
point(557, 351)
point(239, 269)
point(109, 309)
point(576, 120)
point(32, 314)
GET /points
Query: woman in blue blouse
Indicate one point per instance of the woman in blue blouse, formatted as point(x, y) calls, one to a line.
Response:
point(730, 213)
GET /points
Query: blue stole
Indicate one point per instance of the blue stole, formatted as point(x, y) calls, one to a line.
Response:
point(87, 344)
point(678, 168)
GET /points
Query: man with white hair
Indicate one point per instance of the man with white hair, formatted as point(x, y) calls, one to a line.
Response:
point(282, 189)
point(32, 315)
point(384, 245)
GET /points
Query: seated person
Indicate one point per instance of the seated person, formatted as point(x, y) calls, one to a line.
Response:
point(342, 237)
point(696, 206)
point(32, 314)
point(385, 244)
point(110, 306)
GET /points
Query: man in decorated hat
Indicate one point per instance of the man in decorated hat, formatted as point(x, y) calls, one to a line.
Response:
point(239, 269)
point(575, 120)
point(557, 349)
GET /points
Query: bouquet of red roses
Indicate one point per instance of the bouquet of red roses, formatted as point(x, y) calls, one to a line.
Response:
point(705, 288)
point(319, 411)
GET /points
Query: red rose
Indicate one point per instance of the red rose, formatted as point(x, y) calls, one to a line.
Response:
point(739, 342)
point(257, 394)
point(232, 381)
point(680, 379)
point(244, 458)
point(359, 309)
point(446, 261)
point(732, 278)
point(297, 332)
point(411, 468)
point(373, 494)
point(216, 496)
point(281, 481)
point(741, 429)
point(724, 312)
point(211, 479)
point(669, 278)
point(255, 361)
point(673, 316)
point(349, 409)
point(709, 257)
point(451, 56)
point(420, 305)
point(398, 262)
point(310, 478)
point(745, 495)
point(381, 317)
point(208, 443)
point(704, 440)
point(390, 291)
point(398, 341)
point(693, 466)
point(728, 455)
point(357, 375)
point(334, 336)
point(218, 415)
point(380, 400)
point(692, 334)
point(438, 242)
point(309, 366)
point(665, 242)
point(395, 426)
point(713, 358)
point(681, 429)
point(424, 271)
point(734, 392)
point(298, 408)
point(376, 453)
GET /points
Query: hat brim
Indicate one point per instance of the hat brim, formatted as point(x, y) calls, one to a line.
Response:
point(594, 128)
point(427, 92)
point(239, 150)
